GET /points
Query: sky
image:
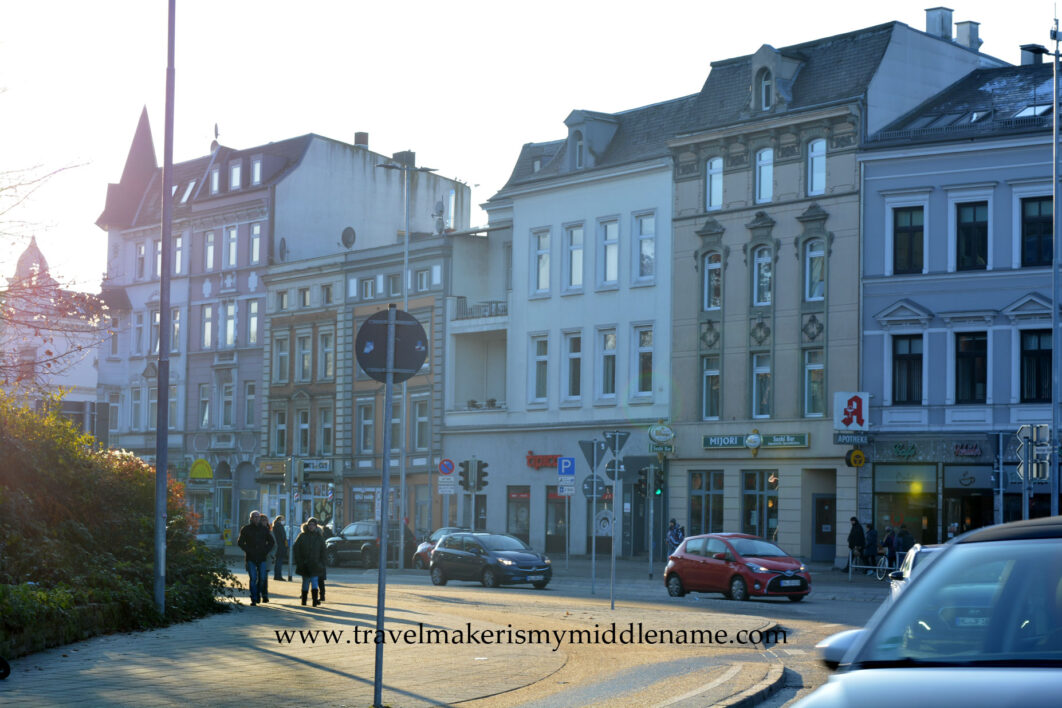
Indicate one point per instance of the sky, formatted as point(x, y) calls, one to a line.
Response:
point(463, 83)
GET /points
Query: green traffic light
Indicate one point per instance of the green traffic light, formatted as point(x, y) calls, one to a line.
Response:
point(659, 492)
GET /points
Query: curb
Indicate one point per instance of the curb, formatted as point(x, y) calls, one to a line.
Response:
point(774, 681)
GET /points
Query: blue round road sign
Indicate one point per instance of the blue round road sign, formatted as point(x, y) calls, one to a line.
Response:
point(446, 467)
point(411, 346)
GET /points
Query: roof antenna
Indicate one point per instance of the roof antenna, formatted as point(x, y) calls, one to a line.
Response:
point(214, 143)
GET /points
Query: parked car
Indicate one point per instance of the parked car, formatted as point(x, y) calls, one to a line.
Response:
point(422, 555)
point(981, 626)
point(916, 559)
point(359, 543)
point(210, 536)
point(737, 565)
point(491, 558)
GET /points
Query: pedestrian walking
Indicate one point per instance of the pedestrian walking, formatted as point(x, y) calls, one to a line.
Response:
point(856, 541)
point(324, 566)
point(263, 579)
point(280, 535)
point(890, 544)
point(255, 541)
point(905, 540)
point(309, 552)
point(675, 535)
point(870, 551)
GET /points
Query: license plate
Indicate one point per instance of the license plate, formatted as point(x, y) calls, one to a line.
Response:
point(534, 577)
point(790, 583)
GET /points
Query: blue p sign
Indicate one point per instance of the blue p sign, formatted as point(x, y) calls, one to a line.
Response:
point(566, 467)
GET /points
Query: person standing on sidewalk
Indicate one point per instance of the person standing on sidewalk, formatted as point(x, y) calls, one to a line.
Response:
point(870, 551)
point(675, 535)
point(856, 542)
point(324, 566)
point(255, 541)
point(309, 552)
point(263, 579)
point(281, 537)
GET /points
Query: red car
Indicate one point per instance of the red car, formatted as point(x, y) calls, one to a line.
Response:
point(422, 556)
point(737, 565)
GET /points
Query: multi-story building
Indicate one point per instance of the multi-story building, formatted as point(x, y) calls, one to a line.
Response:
point(956, 301)
point(766, 273)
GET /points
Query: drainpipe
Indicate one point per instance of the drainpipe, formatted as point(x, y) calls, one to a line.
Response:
point(1000, 477)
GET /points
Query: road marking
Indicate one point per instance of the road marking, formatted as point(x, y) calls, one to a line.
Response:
point(794, 652)
point(727, 675)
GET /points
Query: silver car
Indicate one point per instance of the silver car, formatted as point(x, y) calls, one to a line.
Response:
point(982, 626)
point(914, 562)
point(210, 536)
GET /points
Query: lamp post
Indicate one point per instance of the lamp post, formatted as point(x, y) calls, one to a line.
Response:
point(405, 167)
point(1056, 386)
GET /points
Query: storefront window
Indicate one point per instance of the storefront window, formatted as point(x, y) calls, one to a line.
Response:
point(556, 521)
point(597, 526)
point(518, 512)
point(706, 502)
point(759, 503)
point(906, 495)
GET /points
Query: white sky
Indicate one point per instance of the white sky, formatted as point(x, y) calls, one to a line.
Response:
point(464, 83)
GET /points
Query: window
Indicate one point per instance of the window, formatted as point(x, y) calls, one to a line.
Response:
point(761, 282)
point(204, 405)
point(230, 247)
point(907, 369)
point(175, 329)
point(645, 233)
point(366, 428)
point(153, 408)
point(303, 357)
point(713, 281)
point(229, 325)
point(256, 242)
point(761, 385)
point(280, 433)
point(178, 250)
point(578, 137)
point(227, 403)
point(396, 425)
point(215, 180)
point(706, 503)
point(1034, 110)
point(710, 388)
point(256, 170)
point(114, 336)
point(136, 408)
point(573, 264)
point(971, 367)
point(713, 184)
point(907, 240)
point(208, 326)
point(141, 256)
point(423, 280)
point(158, 259)
point(1036, 232)
point(138, 333)
point(764, 92)
point(188, 191)
point(573, 350)
point(234, 175)
point(252, 322)
point(608, 364)
point(304, 297)
point(814, 271)
point(280, 357)
point(972, 236)
point(643, 336)
point(759, 504)
point(368, 289)
point(303, 418)
point(814, 384)
point(326, 294)
point(1036, 366)
point(208, 251)
point(394, 284)
point(764, 175)
point(171, 409)
point(325, 430)
point(540, 371)
point(421, 428)
point(249, 391)
point(282, 300)
point(114, 401)
point(326, 355)
point(154, 331)
point(609, 265)
point(540, 277)
point(817, 167)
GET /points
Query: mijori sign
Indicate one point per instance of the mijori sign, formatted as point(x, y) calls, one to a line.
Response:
point(851, 411)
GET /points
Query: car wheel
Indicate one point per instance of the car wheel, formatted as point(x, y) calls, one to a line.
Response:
point(332, 558)
point(738, 590)
point(418, 563)
point(438, 577)
point(368, 560)
point(539, 584)
point(489, 579)
point(674, 586)
point(796, 598)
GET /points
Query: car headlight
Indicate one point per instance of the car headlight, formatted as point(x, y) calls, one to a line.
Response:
point(546, 560)
point(505, 561)
point(803, 568)
point(757, 568)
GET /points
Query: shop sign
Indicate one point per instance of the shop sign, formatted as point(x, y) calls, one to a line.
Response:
point(273, 468)
point(519, 495)
point(905, 479)
point(967, 450)
point(537, 462)
point(905, 451)
point(975, 477)
point(201, 471)
point(317, 465)
point(851, 410)
point(785, 440)
point(723, 442)
point(754, 440)
point(851, 439)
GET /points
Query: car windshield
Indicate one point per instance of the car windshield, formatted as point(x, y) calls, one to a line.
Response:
point(757, 548)
point(503, 543)
point(439, 533)
point(992, 602)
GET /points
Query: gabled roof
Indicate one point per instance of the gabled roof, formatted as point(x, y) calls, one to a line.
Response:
point(903, 312)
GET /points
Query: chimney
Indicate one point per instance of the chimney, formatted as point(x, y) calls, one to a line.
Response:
point(361, 139)
point(1032, 54)
point(938, 22)
point(406, 157)
point(966, 35)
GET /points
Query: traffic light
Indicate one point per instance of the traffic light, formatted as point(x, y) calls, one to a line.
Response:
point(481, 476)
point(658, 482)
point(642, 485)
point(464, 474)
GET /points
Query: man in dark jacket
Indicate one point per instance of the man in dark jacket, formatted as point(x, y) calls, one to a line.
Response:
point(281, 537)
point(256, 542)
point(870, 552)
point(905, 540)
point(309, 555)
point(856, 541)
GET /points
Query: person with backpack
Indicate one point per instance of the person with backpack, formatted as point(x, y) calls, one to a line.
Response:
point(675, 535)
point(856, 542)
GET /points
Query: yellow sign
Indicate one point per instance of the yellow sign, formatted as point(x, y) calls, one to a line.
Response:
point(855, 458)
point(201, 470)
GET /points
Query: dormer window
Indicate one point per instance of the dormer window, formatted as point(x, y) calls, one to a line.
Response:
point(256, 169)
point(188, 191)
point(536, 165)
point(577, 137)
point(215, 180)
point(235, 168)
point(763, 90)
point(1030, 111)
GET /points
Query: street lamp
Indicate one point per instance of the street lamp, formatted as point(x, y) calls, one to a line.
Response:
point(1056, 340)
point(406, 168)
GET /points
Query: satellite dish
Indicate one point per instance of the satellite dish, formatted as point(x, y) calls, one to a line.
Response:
point(282, 250)
point(348, 237)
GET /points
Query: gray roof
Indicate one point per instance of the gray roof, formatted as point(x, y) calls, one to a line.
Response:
point(982, 104)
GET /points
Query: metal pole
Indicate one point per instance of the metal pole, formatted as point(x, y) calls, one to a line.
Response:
point(1026, 472)
point(650, 499)
point(291, 515)
point(385, 489)
point(162, 382)
point(567, 529)
point(1056, 261)
point(405, 399)
point(617, 491)
point(593, 522)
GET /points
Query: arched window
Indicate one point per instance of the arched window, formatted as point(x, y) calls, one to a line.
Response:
point(817, 166)
point(814, 271)
point(714, 184)
point(713, 281)
point(761, 283)
point(764, 92)
point(764, 175)
point(577, 137)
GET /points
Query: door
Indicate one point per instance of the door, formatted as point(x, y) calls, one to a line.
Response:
point(824, 527)
point(716, 571)
point(691, 565)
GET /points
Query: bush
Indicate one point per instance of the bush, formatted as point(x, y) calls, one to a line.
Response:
point(77, 529)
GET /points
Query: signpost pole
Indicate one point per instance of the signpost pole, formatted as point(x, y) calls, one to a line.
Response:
point(617, 491)
point(593, 523)
point(567, 529)
point(650, 499)
point(381, 585)
point(291, 515)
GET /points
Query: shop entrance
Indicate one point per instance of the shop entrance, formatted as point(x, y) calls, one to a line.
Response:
point(824, 523)
point(556, 521)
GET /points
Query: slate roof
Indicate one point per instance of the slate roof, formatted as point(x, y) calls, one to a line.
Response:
point(999, 94)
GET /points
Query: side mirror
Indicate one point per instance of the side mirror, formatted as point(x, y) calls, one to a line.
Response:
point(833, 648)
point(896, 575)
point(720, 556)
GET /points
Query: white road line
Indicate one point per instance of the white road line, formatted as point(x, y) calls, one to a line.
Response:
point(727, 675)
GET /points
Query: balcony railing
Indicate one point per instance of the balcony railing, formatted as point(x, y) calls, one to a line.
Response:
point(487, 308)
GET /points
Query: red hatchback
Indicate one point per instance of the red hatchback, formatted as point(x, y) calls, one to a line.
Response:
point(737, 565)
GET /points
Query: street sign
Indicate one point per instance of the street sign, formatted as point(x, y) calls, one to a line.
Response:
point(588, 486)
point(566, 490)
point(566, 468)
point(411, 346)
point(661, 447)
point(593, 451)
point(616, 439)
point(613, 469)
point(851, 439)
point(446, 466)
